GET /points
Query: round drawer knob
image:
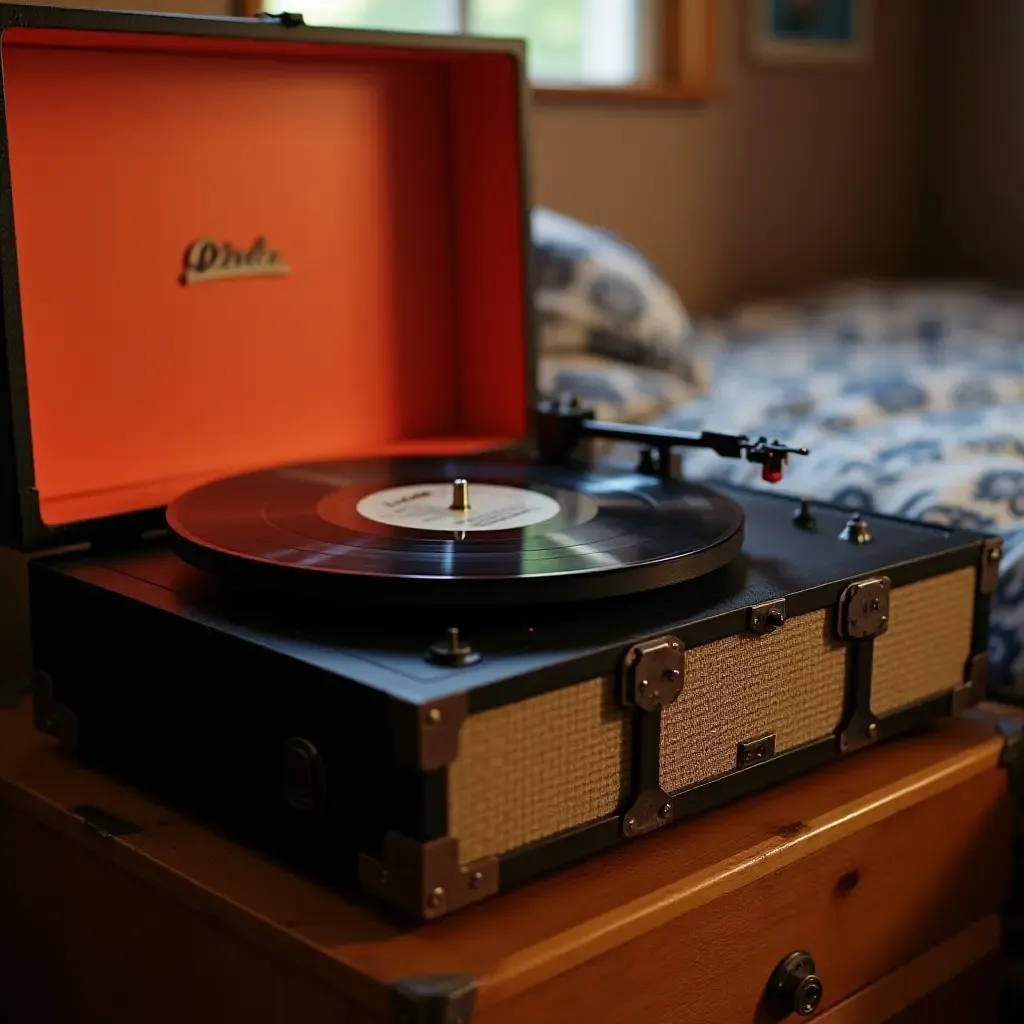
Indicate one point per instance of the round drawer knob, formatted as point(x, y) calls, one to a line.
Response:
point(794, 987)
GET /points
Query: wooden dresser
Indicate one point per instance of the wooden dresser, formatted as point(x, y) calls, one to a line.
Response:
point(889, 869)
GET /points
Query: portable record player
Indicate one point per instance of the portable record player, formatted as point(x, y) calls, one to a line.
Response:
point(393, 624)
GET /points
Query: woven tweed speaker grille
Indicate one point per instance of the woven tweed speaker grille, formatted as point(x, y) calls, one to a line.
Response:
point(530, 770)
point(928, 645)
point(790, 683)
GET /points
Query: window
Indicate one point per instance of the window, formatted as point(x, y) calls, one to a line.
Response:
point(642, 48)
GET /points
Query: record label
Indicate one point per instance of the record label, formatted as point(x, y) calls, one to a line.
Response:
point(429, 507)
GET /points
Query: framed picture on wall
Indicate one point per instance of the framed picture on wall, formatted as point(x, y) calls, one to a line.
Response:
point(810, 31)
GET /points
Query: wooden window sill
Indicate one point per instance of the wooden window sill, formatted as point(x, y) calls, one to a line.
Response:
point(649, 94)
point(687, 60)
point(687, 65)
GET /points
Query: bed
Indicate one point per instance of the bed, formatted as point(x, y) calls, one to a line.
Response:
point(910, 395)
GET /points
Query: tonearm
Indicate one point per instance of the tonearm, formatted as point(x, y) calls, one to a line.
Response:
point(563, 424)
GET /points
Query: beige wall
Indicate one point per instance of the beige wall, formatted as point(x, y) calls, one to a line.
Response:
point(794, 176)
point(975, 164)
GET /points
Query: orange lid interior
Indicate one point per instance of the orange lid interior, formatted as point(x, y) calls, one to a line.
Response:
point(387, 181)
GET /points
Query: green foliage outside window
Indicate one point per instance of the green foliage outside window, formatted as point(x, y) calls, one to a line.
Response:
point(552, 28)
point(390, 15)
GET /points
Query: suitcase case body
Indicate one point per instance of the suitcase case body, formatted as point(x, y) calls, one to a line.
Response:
point(332, 737)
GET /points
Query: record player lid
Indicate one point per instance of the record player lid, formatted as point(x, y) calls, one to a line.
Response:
point(365, 193)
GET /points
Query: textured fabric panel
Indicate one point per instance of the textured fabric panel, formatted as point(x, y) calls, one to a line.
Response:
point(530, 770)
point(926, 649)
point(790, 683)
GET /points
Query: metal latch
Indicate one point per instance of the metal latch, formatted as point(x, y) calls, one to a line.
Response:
point(751, 751)
point(864, 609)
point(652, 676)
point(767, 617)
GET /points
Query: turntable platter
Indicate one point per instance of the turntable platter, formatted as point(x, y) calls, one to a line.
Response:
point(454, 531)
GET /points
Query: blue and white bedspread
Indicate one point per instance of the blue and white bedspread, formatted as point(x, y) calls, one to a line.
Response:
point(912, 403)
point(910, 397)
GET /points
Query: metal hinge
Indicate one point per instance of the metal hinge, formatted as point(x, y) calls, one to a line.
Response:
point(652, 809)
point(651, 680)
point(652, 674)
point(863, 616)
point(287, 19)
point(864, 609)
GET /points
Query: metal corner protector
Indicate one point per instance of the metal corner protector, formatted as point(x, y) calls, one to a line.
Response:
point(425, 881)
point(426, 735)
point(974, 686)
point(433, 999)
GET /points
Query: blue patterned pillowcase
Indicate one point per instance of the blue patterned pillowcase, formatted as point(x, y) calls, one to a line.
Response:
point(610, 329)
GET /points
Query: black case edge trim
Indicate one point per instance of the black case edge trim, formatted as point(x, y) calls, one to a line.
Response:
point(434, 824)
point(982, 608)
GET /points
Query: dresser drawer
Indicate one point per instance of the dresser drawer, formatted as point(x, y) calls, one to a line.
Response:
point(961, 979)
point(861, 906)
point(867, 865)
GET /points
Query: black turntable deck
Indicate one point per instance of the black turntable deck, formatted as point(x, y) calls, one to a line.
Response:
point(384, 648)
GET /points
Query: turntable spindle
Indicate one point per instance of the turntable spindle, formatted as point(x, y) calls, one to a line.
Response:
point(460, 496)
point(452, 651)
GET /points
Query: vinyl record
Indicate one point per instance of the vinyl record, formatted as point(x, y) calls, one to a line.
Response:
point(454, 531)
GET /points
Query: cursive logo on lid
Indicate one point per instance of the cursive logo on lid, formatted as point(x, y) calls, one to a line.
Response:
point(207, 260)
